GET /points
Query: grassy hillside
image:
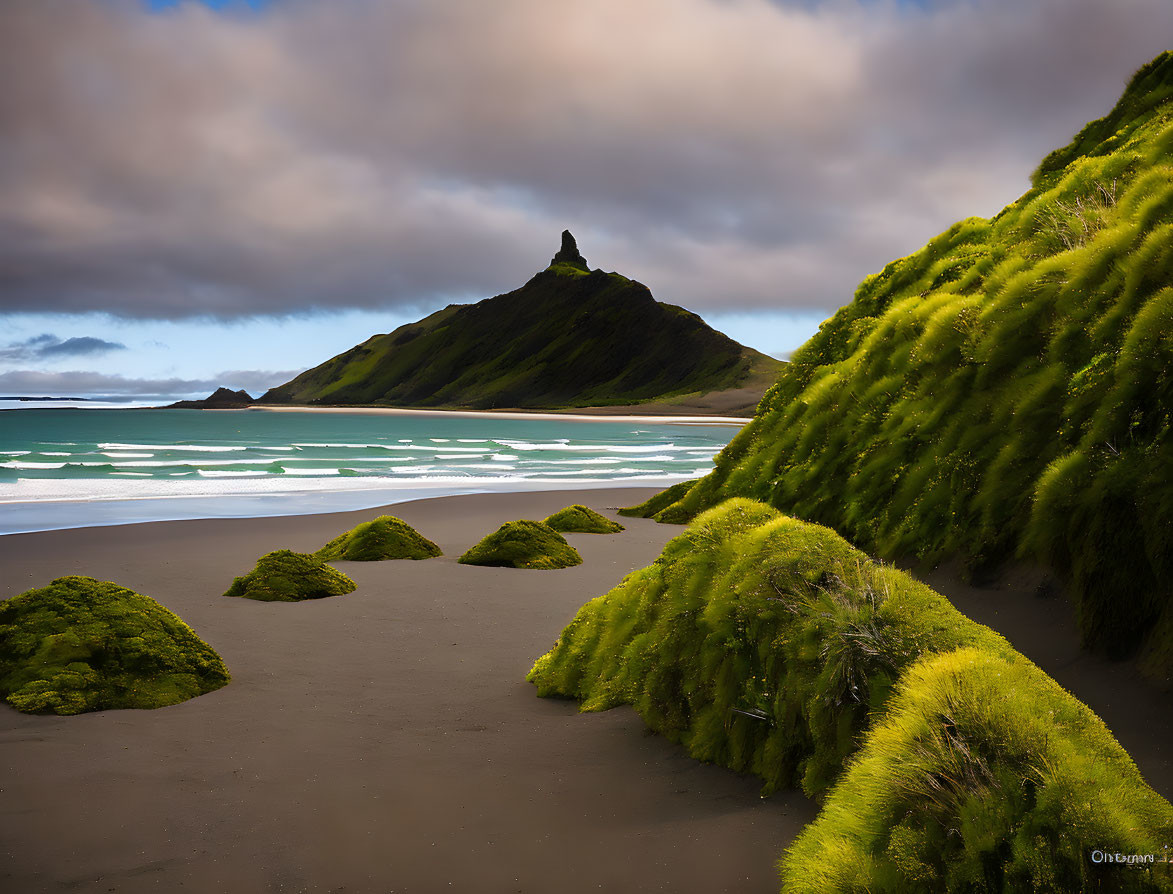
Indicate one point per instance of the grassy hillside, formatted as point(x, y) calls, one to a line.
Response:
point(568, 337)
point(1006, 391)
point(771, 646)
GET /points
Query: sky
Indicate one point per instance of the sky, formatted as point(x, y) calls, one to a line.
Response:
point(196, 194)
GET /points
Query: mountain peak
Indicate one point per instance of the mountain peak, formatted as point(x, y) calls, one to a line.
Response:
point(568, 254)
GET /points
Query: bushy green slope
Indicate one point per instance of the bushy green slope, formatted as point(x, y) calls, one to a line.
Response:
point(81, 644)
point(523, 544)
point(568, 337)
point(771, 646)
point(1007, 390)
point(653, 505)
point(385, 537)
point(286, 576)
point(581, 520)
point(983, 776)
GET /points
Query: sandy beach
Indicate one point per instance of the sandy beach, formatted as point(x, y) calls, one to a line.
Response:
point(386, 741)
point(383, 741)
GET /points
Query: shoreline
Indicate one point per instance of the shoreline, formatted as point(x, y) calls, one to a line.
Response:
point(313, 497)
point(577, 415)
point(580, 414)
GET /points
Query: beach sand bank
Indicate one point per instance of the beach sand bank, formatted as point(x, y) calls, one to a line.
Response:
point(383, 741)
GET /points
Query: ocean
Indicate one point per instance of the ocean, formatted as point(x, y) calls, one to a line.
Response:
point(68, 467)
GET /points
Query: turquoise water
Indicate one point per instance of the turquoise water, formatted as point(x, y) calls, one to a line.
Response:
point(182, 464)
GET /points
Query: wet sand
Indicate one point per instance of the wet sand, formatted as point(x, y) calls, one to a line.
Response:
point(383, 741)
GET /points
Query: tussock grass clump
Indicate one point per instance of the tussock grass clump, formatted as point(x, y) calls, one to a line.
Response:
point(653, 504)
point(523, 544)
point(286, 576)
point(758, 641)
point(773, 647)
point(80, 644)
point(385, 537)
point(984, 775)
point(1005, 392)
point(579, 519)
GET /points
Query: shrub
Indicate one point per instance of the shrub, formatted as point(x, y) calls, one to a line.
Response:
point(81, 644)
point(649, 507)
point(523, 544)
point(579, 519)
point(984, 776)
point(385, 537)
point(772, 647)
point(286, 576)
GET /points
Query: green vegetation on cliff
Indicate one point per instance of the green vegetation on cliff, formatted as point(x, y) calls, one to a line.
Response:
point(81, 644)
point(286, 576)
point(1006, 391)
point(385, 537)
point(523, 544)
point(771, 646)
point(579, 519)
point(652, 506)
point(570, 337)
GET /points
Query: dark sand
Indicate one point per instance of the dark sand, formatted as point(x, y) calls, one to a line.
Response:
point(381, 741)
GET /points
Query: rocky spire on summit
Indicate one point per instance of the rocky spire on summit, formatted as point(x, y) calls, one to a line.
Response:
point(568, 254)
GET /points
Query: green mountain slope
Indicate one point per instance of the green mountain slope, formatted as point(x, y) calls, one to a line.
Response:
point(1006, 391)
point(568, 337)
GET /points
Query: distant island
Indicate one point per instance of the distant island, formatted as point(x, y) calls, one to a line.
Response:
point(34, 399)
point(220, 399)
point(571, 337)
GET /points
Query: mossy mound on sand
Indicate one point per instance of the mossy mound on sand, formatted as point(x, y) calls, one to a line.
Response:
point(81, 644)
point(771, 646)
point(579, 519)
point(385, 537)
point(286, 576)
point(523, 544)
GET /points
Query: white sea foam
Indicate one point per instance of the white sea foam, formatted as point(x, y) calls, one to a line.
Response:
point(114, 455)
point(226, 473)
point(591, 448)
point(195, 448)
point(599, 461)
point(313, 471)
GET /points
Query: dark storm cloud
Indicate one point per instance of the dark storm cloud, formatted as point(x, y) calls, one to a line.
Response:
point(736, 154)
point(46, 346)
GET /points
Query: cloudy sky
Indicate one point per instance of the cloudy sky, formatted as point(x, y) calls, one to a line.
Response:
point(199, 193)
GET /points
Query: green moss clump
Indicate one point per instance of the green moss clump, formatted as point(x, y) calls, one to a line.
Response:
point(579, 519)
point(81, 644)
point(985, 775)
point(773, 647)
point(385, 537)
point(653, 504)
point(1004, 393)
point(286, 576)
point(523, 544)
